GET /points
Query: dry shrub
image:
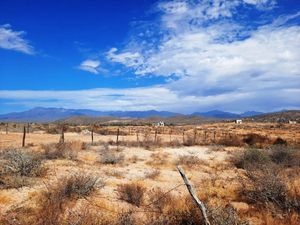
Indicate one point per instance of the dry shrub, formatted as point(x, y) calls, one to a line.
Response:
point(280, 141)
point(159, 200)
point(188, 160)
point(231, 140)
point(266, 185)
point(16, 166)
point(132, 193)
point(22, 163)
point(158, 159)
point(177, 211)
point(250, 158)
point(67, 150)
point(86, 215)
point(256, 140)
point(52, 202)
point(110, 157)
point(285, 156)
point(125, 218)
point(175, 143)
point(189, 140)
point(224, 216)
point(152, 174)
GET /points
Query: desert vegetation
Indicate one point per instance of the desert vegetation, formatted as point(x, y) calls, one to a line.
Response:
point(128, 175)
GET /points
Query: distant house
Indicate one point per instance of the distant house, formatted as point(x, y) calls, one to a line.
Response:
point(159, 124)
point(292, 122)
point(238, 121)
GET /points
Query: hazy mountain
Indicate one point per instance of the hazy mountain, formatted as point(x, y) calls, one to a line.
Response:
point(40, 114)
point(226, 115)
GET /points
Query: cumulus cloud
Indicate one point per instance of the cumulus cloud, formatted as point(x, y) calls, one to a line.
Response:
point(13, 40)
point(92, 66)
point(208, 53)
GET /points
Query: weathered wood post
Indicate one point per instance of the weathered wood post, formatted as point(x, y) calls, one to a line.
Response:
point(24, 136)
point(92, 134)
point(118, 132)
point(62, 136)
point(189, 186)
point(214, 136)
point(6, 128)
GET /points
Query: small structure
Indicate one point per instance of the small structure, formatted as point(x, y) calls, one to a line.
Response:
point(292, 122)
point(159, 124)
point(238, 121)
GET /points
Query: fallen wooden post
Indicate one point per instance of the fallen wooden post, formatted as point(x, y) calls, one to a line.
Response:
point(189, 186)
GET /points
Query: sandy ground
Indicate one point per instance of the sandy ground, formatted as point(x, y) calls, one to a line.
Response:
point(137, 164)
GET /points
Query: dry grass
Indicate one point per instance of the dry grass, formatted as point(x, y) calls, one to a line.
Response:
point(152, 174)
point(132, 193)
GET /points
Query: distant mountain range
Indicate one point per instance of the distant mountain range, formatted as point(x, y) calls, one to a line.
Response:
point(41, 114)
point(226, 115)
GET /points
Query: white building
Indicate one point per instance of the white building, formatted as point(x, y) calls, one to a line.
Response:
point(292, 122)
point(238, 121)
point(159, 124)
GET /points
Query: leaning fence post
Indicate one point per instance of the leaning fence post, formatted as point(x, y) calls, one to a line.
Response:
point(189, 186)
point(24, 136)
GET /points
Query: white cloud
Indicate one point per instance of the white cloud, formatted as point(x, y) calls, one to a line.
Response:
point(92, 66)
point(212, 57)
point(13, 40)
point(155, 97)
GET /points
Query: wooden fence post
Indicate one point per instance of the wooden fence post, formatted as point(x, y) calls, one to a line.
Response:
point(6, 128)
point(189, 186)
point(24, 136)
point(118, 132)
point(92, 134)
point(62, 136)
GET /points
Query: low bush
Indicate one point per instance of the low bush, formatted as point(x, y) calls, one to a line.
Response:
point(52, 202)
point(264, 185)
point(152, 174)
point(66, 150)
point(285, 156)
point(21, 163)
point(250, 158)
point(132, 193)
point(111, 157)
point(256, 140)
point(188, 160)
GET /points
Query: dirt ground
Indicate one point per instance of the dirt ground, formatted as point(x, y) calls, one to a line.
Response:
point(213, 165)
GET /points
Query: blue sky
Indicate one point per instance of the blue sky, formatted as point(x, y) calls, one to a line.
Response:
point(181, 56)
